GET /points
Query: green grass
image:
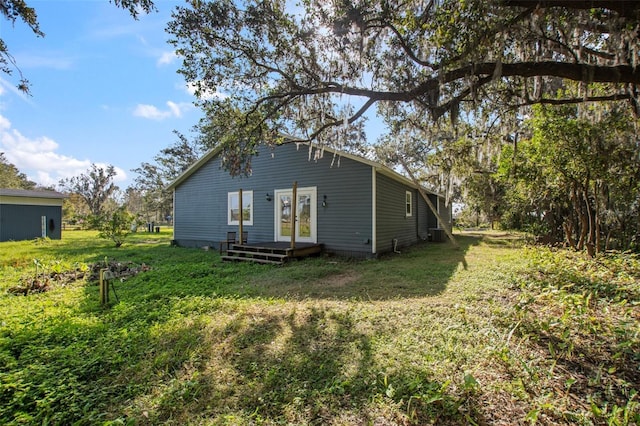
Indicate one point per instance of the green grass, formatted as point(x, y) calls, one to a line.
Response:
point(494, 332)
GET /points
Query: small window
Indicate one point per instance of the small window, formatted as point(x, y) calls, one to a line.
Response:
point(233, 210)
point(409, 203)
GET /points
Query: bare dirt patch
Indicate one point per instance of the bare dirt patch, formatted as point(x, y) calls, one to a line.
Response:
point(339, 280)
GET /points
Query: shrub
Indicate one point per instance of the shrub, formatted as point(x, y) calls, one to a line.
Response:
point(115, 226)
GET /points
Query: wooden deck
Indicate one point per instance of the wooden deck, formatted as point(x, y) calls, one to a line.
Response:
point(270, 252)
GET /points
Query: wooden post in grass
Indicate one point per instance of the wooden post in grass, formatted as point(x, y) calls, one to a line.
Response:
point(104, 286)
point(294, 203)
point(241, 216)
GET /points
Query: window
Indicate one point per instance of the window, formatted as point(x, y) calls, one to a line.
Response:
point(233, 211)
point(409, 203)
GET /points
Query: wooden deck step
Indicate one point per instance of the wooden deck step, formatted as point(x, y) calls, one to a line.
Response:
point(251, 259)
point(271, 253)
point(261, 250)
point(260, 254)
point(257, 256)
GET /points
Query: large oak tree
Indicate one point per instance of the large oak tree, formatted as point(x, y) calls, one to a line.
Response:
point(152, 178)
point(313, 70)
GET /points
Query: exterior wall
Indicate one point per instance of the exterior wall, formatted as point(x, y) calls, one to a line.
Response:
point(445, 213)
point(344, 226)
point(23, 222)
point(432, 219)
point(392, 222)
point(425, 218)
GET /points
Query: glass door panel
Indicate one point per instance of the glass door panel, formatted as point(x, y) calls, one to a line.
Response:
point(303, 224)
point(284, 216)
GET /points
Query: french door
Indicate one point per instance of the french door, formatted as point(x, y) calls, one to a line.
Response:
point(304, 222)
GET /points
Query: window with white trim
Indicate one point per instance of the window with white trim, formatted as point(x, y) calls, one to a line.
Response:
point(233, 210)
point(409, 203)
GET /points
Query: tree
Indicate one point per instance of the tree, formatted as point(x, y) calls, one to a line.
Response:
point(133, 199)
point(315, 70)
point(580, 175)
point(153, 178)
point(14, 10)
point(11, 177)
point(75, 209)
point(95, 186)
point(116, 225)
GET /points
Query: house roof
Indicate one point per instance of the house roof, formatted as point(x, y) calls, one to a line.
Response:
point(381, 168)
point(31, 193)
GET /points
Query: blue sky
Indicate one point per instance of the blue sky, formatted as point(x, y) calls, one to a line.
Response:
point(104, 90)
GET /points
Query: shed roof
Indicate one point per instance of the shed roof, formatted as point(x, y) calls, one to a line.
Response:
point(30, 193)
point(381, 168)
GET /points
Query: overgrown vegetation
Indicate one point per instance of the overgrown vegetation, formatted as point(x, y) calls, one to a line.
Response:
point(46, 276)
point(583, 315)
point(493, 333)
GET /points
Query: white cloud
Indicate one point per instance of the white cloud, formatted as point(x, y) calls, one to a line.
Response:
point(38, 159)
point(175, 108)
point(51, 60)
point(120, 176)
point(152, 112)
point(5, 84)
point(167, 58)
point(5, 124)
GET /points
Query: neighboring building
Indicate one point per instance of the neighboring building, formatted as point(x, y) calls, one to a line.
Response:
point(351, 205)
point(27, 214)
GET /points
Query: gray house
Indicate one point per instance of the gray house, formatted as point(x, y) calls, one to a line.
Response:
point(350, 205)
point(27, 214)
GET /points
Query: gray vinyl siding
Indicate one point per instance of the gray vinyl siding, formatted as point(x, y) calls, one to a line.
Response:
point(431, 218)
point(424, 218)
point(23, 222)
point(343, 226)
point(445, 213)
point(392, 222)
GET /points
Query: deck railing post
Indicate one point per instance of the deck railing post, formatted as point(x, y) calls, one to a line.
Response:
point(240, 219)
point(294, 205)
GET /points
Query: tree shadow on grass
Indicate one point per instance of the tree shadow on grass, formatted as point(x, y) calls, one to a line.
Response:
point(418, 271)
point(181, 348)
point(310, 366)
point(233, 364)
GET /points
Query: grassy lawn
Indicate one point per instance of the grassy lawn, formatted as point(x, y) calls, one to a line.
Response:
point(492, 333)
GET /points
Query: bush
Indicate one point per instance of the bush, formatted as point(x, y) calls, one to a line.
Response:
point(115, 226)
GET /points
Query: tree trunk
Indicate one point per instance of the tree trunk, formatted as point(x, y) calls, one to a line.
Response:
point(591, 248)
point(596, 189)
point(583, 224)
point(568, 231)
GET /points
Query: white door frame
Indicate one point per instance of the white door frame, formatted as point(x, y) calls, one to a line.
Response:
point(313, 193)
